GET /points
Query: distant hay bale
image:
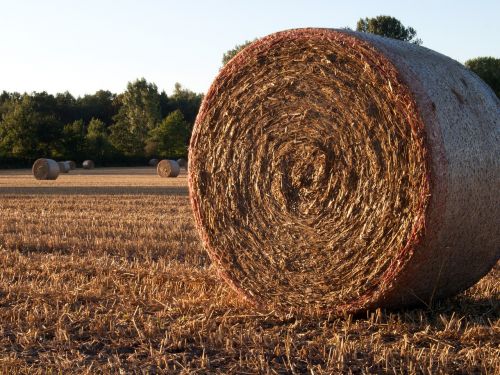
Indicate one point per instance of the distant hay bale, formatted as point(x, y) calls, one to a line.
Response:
point(182, 163)
point(88, 164)
point(168, 168)
point(343, 171)
point(153, 162)
point(64, 166)
point(72, 165)
point(45, 169)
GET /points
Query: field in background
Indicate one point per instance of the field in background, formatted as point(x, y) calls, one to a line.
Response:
point(103, 270)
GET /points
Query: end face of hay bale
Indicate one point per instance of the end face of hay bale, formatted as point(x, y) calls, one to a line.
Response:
point(168, 168)
point(45, 169)
point(331, 173)
point(153, 162)
point(88, 164)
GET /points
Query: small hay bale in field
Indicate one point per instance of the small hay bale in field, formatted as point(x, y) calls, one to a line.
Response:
point(168, 168)
point(182, 163)
point(88, 164)
point(64, 166)
point(72, 165)
point(45, 169)
point(344, 171)
point(153, 162)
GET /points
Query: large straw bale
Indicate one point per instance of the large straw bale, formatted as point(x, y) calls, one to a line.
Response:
point(45, 169)
point(153, 162)
point(88, 164)
point(345, 171)
point(168, 168)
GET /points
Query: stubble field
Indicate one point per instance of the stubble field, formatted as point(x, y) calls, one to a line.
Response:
point(103, 271)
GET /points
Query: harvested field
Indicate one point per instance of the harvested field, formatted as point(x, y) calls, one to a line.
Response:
point(103, 270)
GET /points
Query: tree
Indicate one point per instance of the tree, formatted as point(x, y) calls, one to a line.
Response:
point(139, 113)
point(228, 55)
point(30, 128)
point(389, 27)
point(73, 140)
point(169, 138)
point(187, 101)
point(488, 69)
point(101, 105)
point(96, 140)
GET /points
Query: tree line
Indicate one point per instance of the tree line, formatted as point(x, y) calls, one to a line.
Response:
point(126, 128)
point(140, 123)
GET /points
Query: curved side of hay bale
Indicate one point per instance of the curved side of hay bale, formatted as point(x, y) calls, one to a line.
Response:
point(88, 164)
point(45, 169)
point(168, 168)
point(182, 163)
point(462, 124)
point(64, 166)
point(153, 162)
point(357, 171)
point(72, 165)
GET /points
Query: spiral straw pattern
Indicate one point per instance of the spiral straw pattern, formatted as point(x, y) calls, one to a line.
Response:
point(313, 177)
point(45, 169)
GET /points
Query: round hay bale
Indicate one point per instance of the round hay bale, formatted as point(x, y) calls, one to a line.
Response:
point(88, 164)
point(64, 166)
point(168, 168)
point(182, 163)
point(45, 169)
point(153, 162)
point(343, 171)
point(72, 165)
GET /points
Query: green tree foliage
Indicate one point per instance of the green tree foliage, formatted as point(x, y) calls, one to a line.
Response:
point(102, 105)
point(73, 140)
point(187, 101)
point(68, 128)
point(488, 68)
point(169, 138)
point(228, 55)
point(138, 114)
point(389, 27)
point(30, 127)
point(96, 140)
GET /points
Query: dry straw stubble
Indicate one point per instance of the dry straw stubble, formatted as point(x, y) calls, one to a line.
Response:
point(324, 172)
point(168, 168)
point(45, 169)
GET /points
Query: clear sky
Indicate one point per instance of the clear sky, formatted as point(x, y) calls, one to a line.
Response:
point(83, 46)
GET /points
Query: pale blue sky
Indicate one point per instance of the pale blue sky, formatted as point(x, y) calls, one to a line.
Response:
point(84, 46)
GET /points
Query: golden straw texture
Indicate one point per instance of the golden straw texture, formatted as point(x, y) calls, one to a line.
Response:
point(319, 172)
point(45, 169)
point(168, 168)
